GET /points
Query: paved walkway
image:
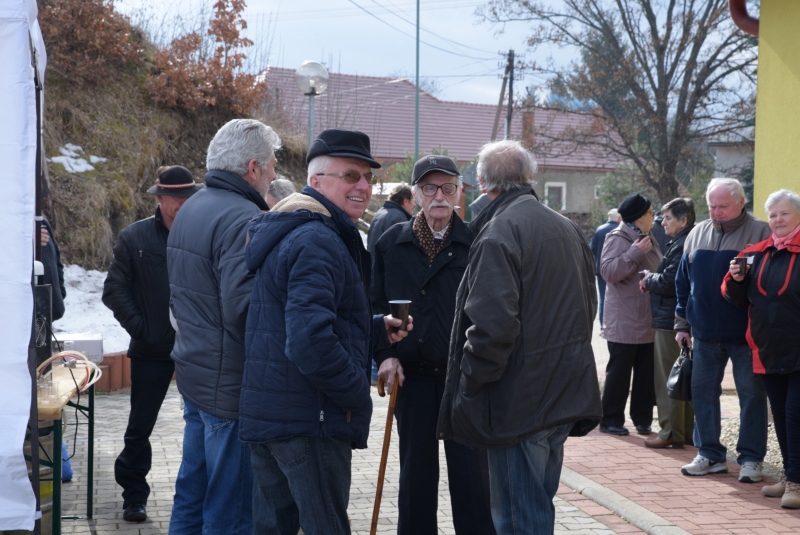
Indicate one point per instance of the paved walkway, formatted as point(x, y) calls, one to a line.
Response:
point(609, 484)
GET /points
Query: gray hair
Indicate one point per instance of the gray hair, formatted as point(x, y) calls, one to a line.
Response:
point(505, 165)
point(281, 188)
point(680, 208)
point(240, 141)
point(781, 195)
point(731, 185)
point(318, 165)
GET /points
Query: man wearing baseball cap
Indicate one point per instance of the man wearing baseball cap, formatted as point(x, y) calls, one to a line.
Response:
point(137, 291)
point(305, 401)
point(423, 261)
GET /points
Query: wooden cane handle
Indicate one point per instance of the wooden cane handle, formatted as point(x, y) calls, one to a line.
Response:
point(381, 391)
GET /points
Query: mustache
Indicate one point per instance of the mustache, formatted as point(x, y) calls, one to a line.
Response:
point(437, 204)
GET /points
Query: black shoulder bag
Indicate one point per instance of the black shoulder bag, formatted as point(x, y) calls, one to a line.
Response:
point(679, 382)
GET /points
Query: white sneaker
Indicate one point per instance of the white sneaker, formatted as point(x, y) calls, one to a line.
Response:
point(701, 466)
point(750, 472)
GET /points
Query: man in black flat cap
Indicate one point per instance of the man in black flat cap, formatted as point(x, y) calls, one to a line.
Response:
point(305, 401)
point(137, 291)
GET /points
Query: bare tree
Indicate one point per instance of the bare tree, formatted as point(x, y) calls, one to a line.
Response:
point(665, 75)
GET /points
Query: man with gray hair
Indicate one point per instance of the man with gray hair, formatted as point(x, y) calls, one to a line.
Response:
point(278, 190)
point(521, 375)
point(210, 286)
point(422, 261)
point(719, 331)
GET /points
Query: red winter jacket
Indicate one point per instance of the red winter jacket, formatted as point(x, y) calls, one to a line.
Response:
point(772, 290)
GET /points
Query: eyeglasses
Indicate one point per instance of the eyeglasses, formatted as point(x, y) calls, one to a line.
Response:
point(352, 177)
point(429, 190)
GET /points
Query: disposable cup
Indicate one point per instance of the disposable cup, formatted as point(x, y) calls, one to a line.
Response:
point(399, 310)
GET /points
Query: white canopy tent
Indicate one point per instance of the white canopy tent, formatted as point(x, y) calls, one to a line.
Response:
point(19, 35)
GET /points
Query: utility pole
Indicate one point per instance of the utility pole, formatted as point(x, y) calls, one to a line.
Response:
point(510, 92)
point(416, 97)
point(500, 102)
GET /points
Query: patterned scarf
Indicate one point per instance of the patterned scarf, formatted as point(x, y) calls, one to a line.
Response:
point(425, 236)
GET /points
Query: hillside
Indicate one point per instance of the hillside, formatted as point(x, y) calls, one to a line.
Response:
point(101, 112)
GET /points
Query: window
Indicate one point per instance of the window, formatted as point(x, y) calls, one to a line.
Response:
point(555, 195)
point(597, 191)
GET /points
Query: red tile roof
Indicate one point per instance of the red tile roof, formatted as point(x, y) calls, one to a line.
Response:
point(384, 109)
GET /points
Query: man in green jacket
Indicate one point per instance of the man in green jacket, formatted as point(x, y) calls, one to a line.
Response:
point(521, 375)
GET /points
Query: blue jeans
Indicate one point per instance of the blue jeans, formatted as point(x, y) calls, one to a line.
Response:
point(708, 370)
point(213, 492)
point(601, 288)
point(524, 479)
point(302, 481)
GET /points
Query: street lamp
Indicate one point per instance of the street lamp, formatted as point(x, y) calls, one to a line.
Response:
point(312, 80)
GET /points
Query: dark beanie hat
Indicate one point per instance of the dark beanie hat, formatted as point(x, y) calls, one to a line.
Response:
point(633, 207)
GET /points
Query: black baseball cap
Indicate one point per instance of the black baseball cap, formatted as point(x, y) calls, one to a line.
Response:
point(431, 163)
point(342, 144)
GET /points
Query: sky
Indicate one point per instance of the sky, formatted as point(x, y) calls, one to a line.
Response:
point(371, 37)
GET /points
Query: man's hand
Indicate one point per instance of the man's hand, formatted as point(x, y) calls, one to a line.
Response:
point(45, 237)
point(393, 331)
point(682, 337)
point(642, 287)
point(644, 244)
point(387, 371)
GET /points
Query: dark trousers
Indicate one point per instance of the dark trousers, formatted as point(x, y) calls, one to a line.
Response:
point(783, 392)
point(417, 411)
point(622, 359)
point(149, 384)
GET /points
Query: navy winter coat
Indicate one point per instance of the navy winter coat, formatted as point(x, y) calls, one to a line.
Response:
point(310, 330)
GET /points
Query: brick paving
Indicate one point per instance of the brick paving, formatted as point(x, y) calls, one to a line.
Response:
point(111, 419)
point(649, 480)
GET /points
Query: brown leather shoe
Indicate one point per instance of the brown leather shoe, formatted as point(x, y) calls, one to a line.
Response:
point(658, 443)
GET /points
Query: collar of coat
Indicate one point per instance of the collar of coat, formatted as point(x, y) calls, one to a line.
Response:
point(488, 213)
point(393, 205)
point(728, 226)
point(793, 246)
point(458, 232)
point(232, 182)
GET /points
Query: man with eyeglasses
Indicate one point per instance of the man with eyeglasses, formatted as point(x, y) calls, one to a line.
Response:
point(305, 400)
point(423, 261)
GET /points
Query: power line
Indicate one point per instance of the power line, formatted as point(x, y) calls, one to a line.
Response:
point(413, 37)
point(425, 29)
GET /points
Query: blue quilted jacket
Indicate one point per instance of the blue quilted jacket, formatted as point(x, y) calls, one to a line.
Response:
point(310, 330)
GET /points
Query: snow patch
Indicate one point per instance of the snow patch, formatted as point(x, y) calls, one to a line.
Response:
point(73, 161)
point(85, 311)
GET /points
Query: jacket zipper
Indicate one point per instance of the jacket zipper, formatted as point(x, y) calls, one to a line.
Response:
point(321, 416)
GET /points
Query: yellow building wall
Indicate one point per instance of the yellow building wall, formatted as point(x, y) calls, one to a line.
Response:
point(777, 150)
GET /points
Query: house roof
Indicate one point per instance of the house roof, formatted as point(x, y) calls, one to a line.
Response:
point(383, 108)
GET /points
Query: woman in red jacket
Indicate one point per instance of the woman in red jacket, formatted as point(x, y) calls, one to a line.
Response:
point(770, 285)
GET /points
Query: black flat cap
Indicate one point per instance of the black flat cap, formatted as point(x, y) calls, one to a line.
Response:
point(175, 181)
point(342, 144)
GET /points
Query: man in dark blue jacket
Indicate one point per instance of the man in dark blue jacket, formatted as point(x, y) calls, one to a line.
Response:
point(137, 292)
point(596, 245)
point(423, 261)
point(396, 209)
point(210, 286)
point(305, 399)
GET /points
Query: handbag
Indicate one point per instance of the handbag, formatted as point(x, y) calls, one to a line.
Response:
point(679, 382)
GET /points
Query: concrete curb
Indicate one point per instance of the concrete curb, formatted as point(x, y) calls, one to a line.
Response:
point(630, 511)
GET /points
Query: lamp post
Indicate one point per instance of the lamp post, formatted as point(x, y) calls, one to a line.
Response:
point(312, 80)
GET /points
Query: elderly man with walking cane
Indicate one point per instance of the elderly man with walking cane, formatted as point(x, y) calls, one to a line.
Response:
point(423, 261)
point(305, 400)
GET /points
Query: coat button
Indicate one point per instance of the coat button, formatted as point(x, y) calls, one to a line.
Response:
point(421, 341)
point(450, 254)
point(423, 292)
point(436, 369)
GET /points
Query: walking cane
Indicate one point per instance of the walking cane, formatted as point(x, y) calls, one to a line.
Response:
point(387, 437)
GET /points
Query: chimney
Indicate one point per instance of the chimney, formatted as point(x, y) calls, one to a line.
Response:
point(528, 127)
point(598, 123)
